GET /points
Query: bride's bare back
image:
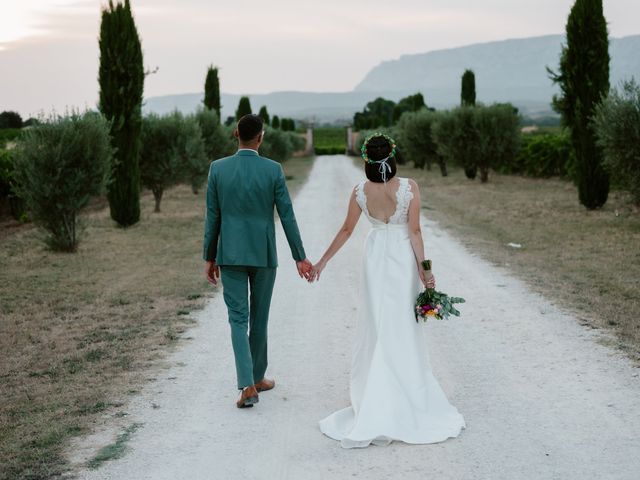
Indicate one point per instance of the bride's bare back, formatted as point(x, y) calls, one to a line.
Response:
point(382, 199)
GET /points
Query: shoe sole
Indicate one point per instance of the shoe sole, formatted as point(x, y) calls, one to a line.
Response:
point(248, 402)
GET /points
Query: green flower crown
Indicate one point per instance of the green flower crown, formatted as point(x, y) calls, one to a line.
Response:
point(363, 149)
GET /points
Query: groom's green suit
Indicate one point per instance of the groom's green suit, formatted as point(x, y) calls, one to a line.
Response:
point(240, 237)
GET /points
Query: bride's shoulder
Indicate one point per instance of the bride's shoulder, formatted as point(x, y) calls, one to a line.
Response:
point(359, 186)
point(412, 183)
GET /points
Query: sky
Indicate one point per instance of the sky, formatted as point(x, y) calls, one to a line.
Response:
point(49, 48)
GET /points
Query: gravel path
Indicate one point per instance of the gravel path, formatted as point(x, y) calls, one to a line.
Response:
point(541, 395)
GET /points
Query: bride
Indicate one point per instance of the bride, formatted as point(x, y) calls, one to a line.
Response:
point(394, 395)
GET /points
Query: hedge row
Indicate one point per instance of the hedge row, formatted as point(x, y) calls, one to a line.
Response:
point(57, 166)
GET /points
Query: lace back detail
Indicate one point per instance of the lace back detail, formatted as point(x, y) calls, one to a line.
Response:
point(404, 195)
point(361, 198)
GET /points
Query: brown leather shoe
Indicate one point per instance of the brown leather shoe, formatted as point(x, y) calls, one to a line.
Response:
point(265, 384)
point(248, 397)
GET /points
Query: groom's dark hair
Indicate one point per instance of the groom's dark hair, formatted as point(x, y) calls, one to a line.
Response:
point(249, 127)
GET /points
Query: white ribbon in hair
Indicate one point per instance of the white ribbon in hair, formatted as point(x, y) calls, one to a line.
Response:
point(384, 166)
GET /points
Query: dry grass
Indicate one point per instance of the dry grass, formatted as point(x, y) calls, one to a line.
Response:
point(586, 261)
point(79, 331)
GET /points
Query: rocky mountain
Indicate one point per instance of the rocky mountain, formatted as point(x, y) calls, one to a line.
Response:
point(509, 70)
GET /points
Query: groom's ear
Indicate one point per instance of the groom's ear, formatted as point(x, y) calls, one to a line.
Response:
point(236, 134)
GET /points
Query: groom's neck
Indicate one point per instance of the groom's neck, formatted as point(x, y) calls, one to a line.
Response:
point(250, 146)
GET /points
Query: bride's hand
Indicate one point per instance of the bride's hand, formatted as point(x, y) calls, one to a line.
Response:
point(427, 278)
point(316, 270)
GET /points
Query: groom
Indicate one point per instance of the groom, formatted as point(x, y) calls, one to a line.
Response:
point(240, 246)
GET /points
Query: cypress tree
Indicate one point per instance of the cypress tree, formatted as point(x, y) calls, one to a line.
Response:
point(468, 90)
point(264, 114)
point(212, 91)
point(244, 108)
point(121, 79)
point(275, 122)
point(584, 80)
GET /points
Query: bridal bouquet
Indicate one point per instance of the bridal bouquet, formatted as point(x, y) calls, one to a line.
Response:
point(438, 305)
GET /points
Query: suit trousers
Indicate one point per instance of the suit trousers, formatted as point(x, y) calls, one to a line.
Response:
point(247, 294)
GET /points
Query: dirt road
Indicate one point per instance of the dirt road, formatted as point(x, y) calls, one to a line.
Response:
point(542, 396)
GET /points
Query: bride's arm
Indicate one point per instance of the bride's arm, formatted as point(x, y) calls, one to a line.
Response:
point(415, 234)
point(353, 214)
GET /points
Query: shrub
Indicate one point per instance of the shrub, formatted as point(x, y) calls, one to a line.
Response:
point(499, 128)
point(58, 166)
point(6, 173)
point(458, 138)
point(191, 150)
point(218, 139)
point(8, 135)
point(278, 145)
point(159, 162)
point(542, 155)
point(173, 150)
point(415, 137)
point(275, 122)
point(7, 191)
point(288, 124)
point(617, 125)
point(329, 150)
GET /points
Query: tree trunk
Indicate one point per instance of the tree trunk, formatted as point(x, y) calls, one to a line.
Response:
point(484, 174)
point(471, 172)
point(157, 196)
point(443, 166)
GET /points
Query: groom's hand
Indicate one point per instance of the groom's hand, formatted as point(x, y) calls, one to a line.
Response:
point(212, 272)
point(304, 268)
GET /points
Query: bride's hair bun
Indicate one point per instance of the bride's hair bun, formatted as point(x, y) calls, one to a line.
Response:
point(378, 148)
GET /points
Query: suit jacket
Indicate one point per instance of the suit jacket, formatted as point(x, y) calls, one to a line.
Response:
point(242, 191)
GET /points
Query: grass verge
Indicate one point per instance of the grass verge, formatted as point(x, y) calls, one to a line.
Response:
point(586, 261)
point(79, 331)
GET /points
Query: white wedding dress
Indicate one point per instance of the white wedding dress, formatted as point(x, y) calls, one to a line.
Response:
point(394, 395)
